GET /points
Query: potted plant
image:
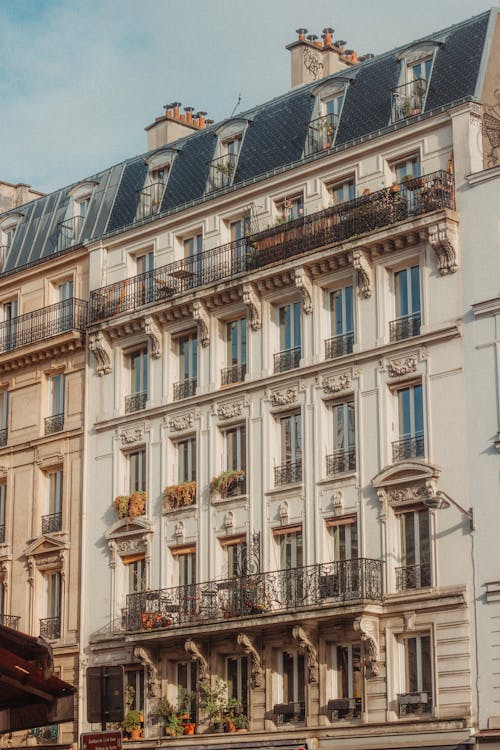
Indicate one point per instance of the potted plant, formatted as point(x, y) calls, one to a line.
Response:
point(226, 482)
point(241, 723)
point(137, 504)
point(169, 719)
point(132, 724)
point(213, 701)
point(120, 504)
point(179, 495)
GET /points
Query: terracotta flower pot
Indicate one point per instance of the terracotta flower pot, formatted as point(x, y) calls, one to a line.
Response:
point(189, 728)
point(135, 734)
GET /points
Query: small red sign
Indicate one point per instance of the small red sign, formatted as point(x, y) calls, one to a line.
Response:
point(101, 741)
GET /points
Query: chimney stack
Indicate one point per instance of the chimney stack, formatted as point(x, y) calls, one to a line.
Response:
point(174, 124)
point(312, 59)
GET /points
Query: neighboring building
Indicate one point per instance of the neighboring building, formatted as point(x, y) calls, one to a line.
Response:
point(12, 196)
point(277, 473)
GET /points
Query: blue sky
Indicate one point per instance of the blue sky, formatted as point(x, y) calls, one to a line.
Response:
point(80, 79)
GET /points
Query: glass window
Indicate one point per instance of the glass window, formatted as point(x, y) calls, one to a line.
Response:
point(186, 458)
point(136, 575)
point(236, 448)
point(407, 168)
point(4, 410)
point(343, 191)
point(289, 319)
point(415, 571)
point(236, 557)
point(345, 540)
point(407, 289)
point(418, 664)
point(187, 680)
point(186, 568)
point(138, 362)
point(134, 689)
point(56, 394)
point(237, 680)
point(3, 508)
point(347, 671)
point(55, 481)
point(291, 550)
point(53, 589)
point(137, 471)
point(333, 106)
point(65, 290)
point(145, 262)
point(420, 70)
point(236, 341)
point(411, 412)
point(291, 438)
point(188, 356)
point(342, 311)
point(290, 208)
point(240, 228)
point(292, 670)
point(344, 426)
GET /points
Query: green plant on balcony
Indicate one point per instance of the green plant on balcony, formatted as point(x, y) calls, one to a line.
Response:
point(213, 700)
point(169, 718)
point(241, 722)
point(130, 506)
point(179, 495)
point(226, 482)
point(132, 723)
point(225, 168)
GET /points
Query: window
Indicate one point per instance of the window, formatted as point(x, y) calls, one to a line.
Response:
point(188, 366)
point(65, 290)
point(290, 549)
point(3, 508)
point(237, 680)
point(137, 471)
point(149, 198)
point(342, 323)
point(145, 262)
point(240, 228)
point(343, 457)
point(415, 570)
point(236, 352)
point(136, 574)
point(290, 208)
point(407, 298)
point(236, 457)
point(55, 421)
point(291, 688)
point(236, 550)
point(417, 698)
point(50, 625)
point(134, 689)
point(187, 681)
point(323, 128)
point(186, 569)
point(289, 322)
point(406, 168)
point(290, 469)
point(347, 682)
point(138, 366)
point(411, 424)
point(52, 521)
point(343, 191)
point(69, 231)
point(9, 332)
point(193, 249)
point(344, 534)
point(145, 288)
point(4, 417)
point(186, 460)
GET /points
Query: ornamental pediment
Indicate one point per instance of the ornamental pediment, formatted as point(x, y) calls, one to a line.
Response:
point(45, 545)
point(408, 472)
point(126, 527)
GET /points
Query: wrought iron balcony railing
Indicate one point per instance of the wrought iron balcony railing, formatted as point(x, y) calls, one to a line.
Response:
point(221, 171)
point(55, 423)
point(285, 713)
point(321, 133)
point(250, 595)
point(289, 359)
point(2, 533)
point(341, 461)
point(405, 327)
point(69, 231)
point(339, 345)
point(42, 324)
point(149, 200)
point(52, 522)
point(233, 374)
point(185, 388)
point(408, 99)
point(46, 734)
point(50, 628)
point(409, 446)
point(415, 704)
point(413, 577)
point(235, 488)
point(4, 433)
point(344, 708)
point(136, 402)
point(10, 621)
point(321, 229)
point(288, 473)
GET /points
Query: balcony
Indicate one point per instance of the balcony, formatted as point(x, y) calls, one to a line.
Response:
point(288, 359)
point(42, 324)
point(136, 402)
point(321, 133)
point(317, 585)
point(233, 374)
point(413, 577)
point(339, 345)
point(405, 327)
point(4, 433)
point(344, 708)
point(50, 628)
point(341, 461)
point(69, 231)
point(10, 621)
point(286, 713)
point(149, 200)
point(408, 99)
point(288, 473)
point(221, 171)
point(414, 704)
point(409, 446)
point(55, 423)
point(185, 388)
point(51, 523)
point(321, 229)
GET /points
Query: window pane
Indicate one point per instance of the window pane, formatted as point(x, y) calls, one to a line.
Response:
point(424, 537)
point(418, 408)
point(411, 665)
point(425, 645)
point(415, 289)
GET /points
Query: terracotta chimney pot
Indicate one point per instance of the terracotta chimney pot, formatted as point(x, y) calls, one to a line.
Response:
point(302, 34)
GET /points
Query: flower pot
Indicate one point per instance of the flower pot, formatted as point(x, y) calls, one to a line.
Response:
point(135, 734)
point(189, 728)
point(241, 730)
point(230, 726)
point(218, 727)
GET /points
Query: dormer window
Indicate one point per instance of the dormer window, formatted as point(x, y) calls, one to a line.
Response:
point(70, 231)
point(408, 98)
point(223, 166)
point(7, 231)
point(149, 198)
point(290, 208)
point(326, 114)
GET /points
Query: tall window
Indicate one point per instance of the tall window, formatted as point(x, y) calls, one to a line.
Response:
point(236, 352)
point(420, 70)
point(289, 322)
point(343, 191)
point(236, 452)
point(347, 682)
point(55, 421)
point(292, 688)
point(344, 533)
point(50, 626)
point(417, 675)
point(3, 508)
point(240, 228)
point(415, 570)
point(186, 568)
point(188, 366)
point(237, 679)
point(65, 290)
point(236, 550)
point(4, 417)
point(136, 574)
point(193, 249)
point(408, 168)
point(407, 298)
point(187, 681)
point(291, 550)
point(290, 208)
point(342, 323)
point(134, 689)
point(137, 471)
point(52, 521)
point(290, 469)
point(186, 460)
point(411, 424)
point(343, 457)
point(9, 332)
point(139, 373)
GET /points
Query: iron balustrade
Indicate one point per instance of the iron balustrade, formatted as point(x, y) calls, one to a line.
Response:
point(51, 523)
point(340, 461)
point(221, 171)
point(288, 359)
point(409, 446)
point(405, 327)
point(136, 402)
point(50, 628)
point(4, 433)
point(233, 374)
point(10, 621)
point(48, 733)
point(288, 473)
point(344, 708)
point(55, 423)
point(333, 225)
point(149, 200)
point(413, 577)
point(408, 99)
point(69, 231)
point(251, 595)
point(414, 704)
point(285, 713)
point(2, 533)
point(237, 487)
point(321, 133)
point(339, 345)
point(185, 388)
point(38, 325)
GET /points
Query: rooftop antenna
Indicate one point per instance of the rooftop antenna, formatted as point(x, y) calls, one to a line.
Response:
point(237, 105)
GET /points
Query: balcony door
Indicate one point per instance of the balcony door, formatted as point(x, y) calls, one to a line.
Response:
point(291, 556)
point(411, 423)
point(415, 570)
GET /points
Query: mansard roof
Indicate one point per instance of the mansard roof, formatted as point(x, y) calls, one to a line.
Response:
point(274, 141)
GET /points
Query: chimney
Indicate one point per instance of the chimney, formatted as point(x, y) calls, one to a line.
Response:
point(173, 125)
point(311, 59)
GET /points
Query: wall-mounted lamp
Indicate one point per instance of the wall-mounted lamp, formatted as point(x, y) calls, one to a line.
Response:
point(442, 500)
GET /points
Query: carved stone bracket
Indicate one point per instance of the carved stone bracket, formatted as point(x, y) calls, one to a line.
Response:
point(284, 397)
point(153, 333)
point(306, 644)
point(252, 302)
point(304, 285)
point(337, 384)
point(146, 657)
point(102, 353)
point(364, 273)
point(181, 422)
point(230, 409)
point(442, 242)
point(194, 650)
point(132, 435)
point(257, 672)
point(203, 321)
point(404, 366)
point(368, 629)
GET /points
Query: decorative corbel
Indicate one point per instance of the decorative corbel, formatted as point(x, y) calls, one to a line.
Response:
point(364, 273)
point(368, 628)
point(101, 351)
point(145, 656)
point(201, 317)
point(257, 672)
point(304, 285)
point(194, 650)
point(252, 303)
point(153, 333)
point(306, 644)
point(441, 242)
